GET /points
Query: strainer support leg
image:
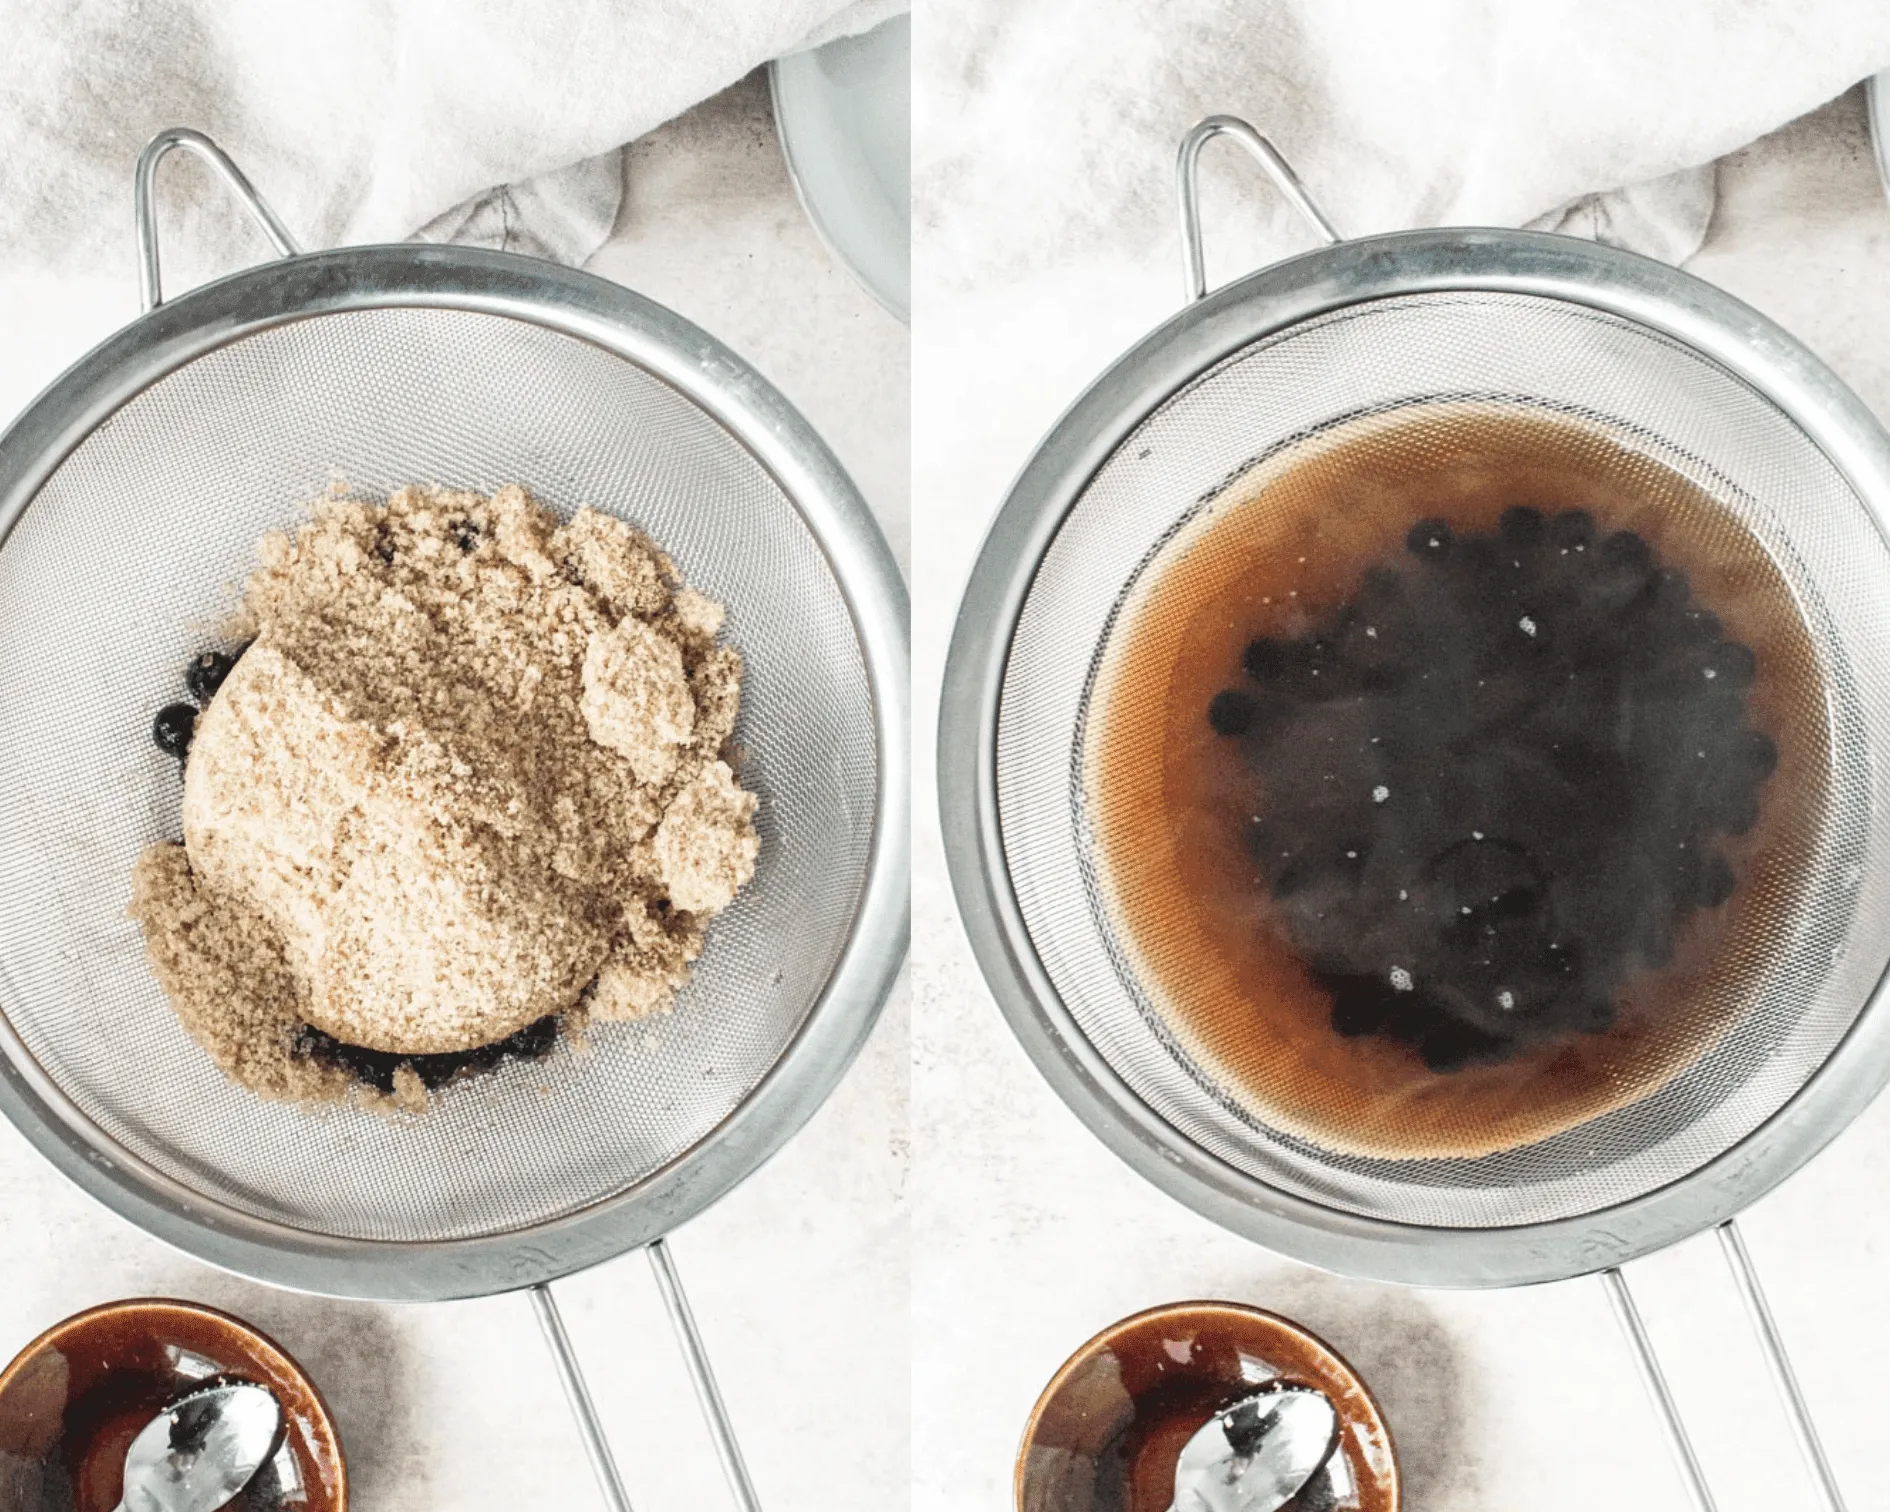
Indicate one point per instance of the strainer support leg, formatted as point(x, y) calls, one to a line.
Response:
point(1783, 1377)
point(1656, 1382)
point(714, 1410)
point(579, 1396)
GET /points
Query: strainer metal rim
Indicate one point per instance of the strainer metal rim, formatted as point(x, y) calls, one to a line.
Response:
point(1708, 321)
point(714, 378)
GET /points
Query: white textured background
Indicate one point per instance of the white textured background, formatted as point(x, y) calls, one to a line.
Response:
point(1029, 1236)
point(799, 1279)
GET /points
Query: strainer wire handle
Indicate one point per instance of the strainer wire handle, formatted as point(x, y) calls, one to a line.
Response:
point(1187, 184)
point(1733, 1244)
point(1773, 1343)
point(571, 1377)
point(708, 1394)
point(701, 1375)
point(1656, 1382)
point(144, 202)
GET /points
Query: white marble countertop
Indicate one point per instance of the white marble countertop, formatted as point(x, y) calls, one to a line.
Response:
point(799, 1279)
point(1029, 1236)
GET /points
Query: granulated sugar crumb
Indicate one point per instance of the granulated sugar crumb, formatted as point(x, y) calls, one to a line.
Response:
point(469, 775)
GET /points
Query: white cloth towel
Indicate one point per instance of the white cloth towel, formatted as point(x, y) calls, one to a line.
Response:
point(359, 120)
point(1047, 125)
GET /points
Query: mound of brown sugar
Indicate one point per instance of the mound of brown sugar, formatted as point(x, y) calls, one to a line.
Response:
point(468, 774)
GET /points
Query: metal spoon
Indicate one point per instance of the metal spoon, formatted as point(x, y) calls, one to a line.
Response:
point(1256, 1454)
point(201, 1450)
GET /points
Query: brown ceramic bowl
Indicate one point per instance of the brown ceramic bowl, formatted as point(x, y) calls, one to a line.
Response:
point(1106, 1433)
point(72, 1401)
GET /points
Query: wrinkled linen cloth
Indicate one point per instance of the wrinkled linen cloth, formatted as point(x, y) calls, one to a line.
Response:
point(477, 121)
point(1045, 125)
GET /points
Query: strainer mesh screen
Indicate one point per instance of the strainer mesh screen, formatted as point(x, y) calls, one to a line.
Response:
point(1412, 357)
point(112, 581)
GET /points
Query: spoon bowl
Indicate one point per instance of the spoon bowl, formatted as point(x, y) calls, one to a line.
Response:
point(1258, 1453)
point(201, 1450)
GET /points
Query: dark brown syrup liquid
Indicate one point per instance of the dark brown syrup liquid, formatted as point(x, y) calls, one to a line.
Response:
point(1196, 840)
point(98, 1393)
point(1109, 1434)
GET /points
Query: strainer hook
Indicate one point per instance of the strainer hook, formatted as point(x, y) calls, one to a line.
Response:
point(144, 202)
point(1187, 185)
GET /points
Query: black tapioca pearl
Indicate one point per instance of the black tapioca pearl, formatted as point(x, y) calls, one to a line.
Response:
point(1429, 538)
point(374, 1068)
point(1736, 812)
point(1669, 591)
point(1293, 875)
point(1231, 712)
point(1448, 1045)
point(1622, 569)
point(207, 673)
point(1587, 1015)
point(1700, 625)
point(1715, 883)
point(1624, 550)
point(1382, 591)
point(1522, 526)
point(1572, 529)
point(173, 728)
point(1516, 903)
point(1350, 859)
point(1463, 933)
point(1470, 872)
point(1264, 843)
point(1321, 673)
point(1754, 753)
point(1656, 936)
point(379, 1068)
point(437, 1070)
point(1733, 665)
point(1685, 865)
point(1359, 1005)
point(1267, 660)
point(535, 1039)
point(1587, 757)
point(1573, 953)
point(1482, 558)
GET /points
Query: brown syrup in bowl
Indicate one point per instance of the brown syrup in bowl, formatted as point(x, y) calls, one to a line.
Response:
point(1109, 1428)
point(1277, 993)
point(74, 1399)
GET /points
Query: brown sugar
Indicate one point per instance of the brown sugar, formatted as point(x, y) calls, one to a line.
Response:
point(468, 774)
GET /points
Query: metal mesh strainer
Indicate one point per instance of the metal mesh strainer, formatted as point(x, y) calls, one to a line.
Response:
point(131, 499)
point(207, 460)
point(1419, 338)
point(1415, 357)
